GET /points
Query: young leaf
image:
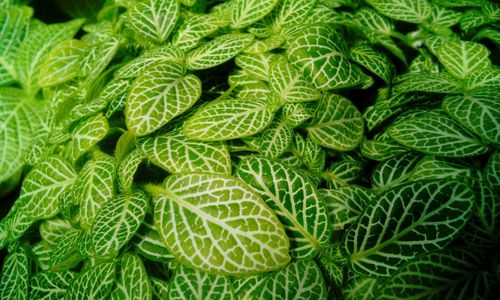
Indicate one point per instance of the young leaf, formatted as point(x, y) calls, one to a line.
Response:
point(133, 282)
point(53, 230)
point(92, 283)
point(258, 65)
point(247, 12)
point(14, 279)
point(239, 232)
point(86, 134)
point(154, 19)
point(128, 168)
point(158, 95)
point(50, 285)
point(66, 255)
point(194, 28)
point(149, 58)
point(410, 219)
point(462, 58)
point(295, 201)
point(62, 63)
point(413, 11)
point(376, 62)
point(275, 140)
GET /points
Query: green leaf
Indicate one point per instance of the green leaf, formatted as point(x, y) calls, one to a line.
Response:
point(195, 28)
point(43, 186)
point(14, 279)
point(247, 12)
point(432, 167)
point(85, 135)
point(487, 78)
point(239, 232)
point(289, 85)
point(346, 204)
point(160, 288)
point(117, 222)
point(437, 134)
point(127, 169)
point(492, 171)
point(66, 255)
point(149, 58)
point(34, 49)
point(276, 139)
point(413, 11)
point(410, 219)
point(53, 230)
point(62, 63)
point(19, 119)
point(177, 153)
point(229, 119)
point(154, 19)
point(217, 51)
point(92, 283)
point(14, 25)
point(430, 83)
point(94, 187)
point(337, 124)
point(295, 201)
point(447, 274)
point(291, 12)
point(97, 58)
point(133, 282)
point(369, 19)
point(375, 61)
point(189, 283)
point(360, 288)
point(158, 95)
point(321, 54)
point(478, 111)
point(257, 65)
point(462, 58)
point(50, 285)
point(394, 170)
point(149, 244)
point(342, 173)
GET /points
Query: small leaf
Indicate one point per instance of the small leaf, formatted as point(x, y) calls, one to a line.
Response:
point(275, 140)
point(127, 169)
point(375, 61)
point(195, 28)
point(247, 12)
point(462, 58)
point(66, 255)
point(14, 279)
point(154, 19)
point(149, 244)
point(258, 65)
point(92, 283)
point(53, 230)
point(413, 11)
point(85, 135)
point(189, 283)
point(133, 282)
point(394, 170)
point(62, 63)
point(50, 285)
point(147, 59)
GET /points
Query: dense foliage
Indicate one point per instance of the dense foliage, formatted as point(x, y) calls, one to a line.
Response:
point(250, 149)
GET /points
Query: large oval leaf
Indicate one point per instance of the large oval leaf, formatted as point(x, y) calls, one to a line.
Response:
point(238, 232)
point(462, 58)
point(295, 201)
point(154, 19)
point(405, 221)
point(229, 119)
point(158, 95)
point(337, 124)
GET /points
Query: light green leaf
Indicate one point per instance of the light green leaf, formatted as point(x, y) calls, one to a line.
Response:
point(19, 119)
point(413, 11)
point(342, 173)
point(14, 24)
point(66, 255)
point(430, 83)
point(247, 12)
point(375, 61)
point(437, 134)
point(257, 65)
point(345, 204)
point(117, 222)
point(189, 283)
point(94, 187)
point(14, 278)
point(158, 95)
point(337, 125)
point(62, 63)
point(53, 230)
point(128, 168)
point(313, 156)
point(295, 201)
point(360, 288)
point(289, 85)
point(275, 140)
point(50, 285)
point(381, 150)
point(229, 119)
point(97, 58)
point(41, 256)
point(462, 58)
point(239, 233)
point(42, 187)
point(410, 219)
point(149, 58)
point(154, 19)
point(85, 135)
point(176, 153)
point(92, 283)
point(133, 282)
point(149, 244)
point(320, 53)
point(478, 111)
point(195, 28)
point(487, 78)
point(291, 12)
point(217, 51)
point(367, 18)
point(294, 114)
point(394, 170)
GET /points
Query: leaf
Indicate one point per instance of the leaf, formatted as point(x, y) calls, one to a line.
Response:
point(367, 18)
point(154, 19)
point(342, 173)
point(492, 171)
point(337, 124)
point(97, 58)
point(432, 167)
point(66, 255)
point(92, 283)
point(430, 83)
point(257, 65)
point(410, 219)
point(158, 95)
point(138, 65)
point(320, 53)
point(50, 285)
point(239, 233)
point(229, 119)
point(217, 51)
point(14, 278)
point(488, 78)
point(53, 230)
point(247, 12)
point(85, 135)
point(394, 170)
point(289, 85)
point(295, 201)
point(290, 12)
point(345, 204)
point(189, 283)
point(62, 63)
point(462, 58)
point(478, 111)
point(133, 282)
point(195, 28)
point(177, 153)
point(412, 11)
point(314, 156)
point(19, 119)
point(127, 169)
point(14, 25)
point(93, 187)
point(447, 274)
point(360, 288)
point(43, 186)
point(436, 134)
point(117, 222)
point(376, 62)
point(275, 140)
point(149, 244)
point(160, 288)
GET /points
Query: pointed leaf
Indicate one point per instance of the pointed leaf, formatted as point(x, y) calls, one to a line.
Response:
point(154, 19)
point(62, 63)
point(93, 283)
point(429, 83)
point(86, 134)
point(247, 12)
point(195, 28)
point(275, 140)
point(14, 278)
point(413, 11)
point(127, 169)
point(376, 62)
point(50, 285)
point(462, 58)
point(147, 59)
point(133, 282)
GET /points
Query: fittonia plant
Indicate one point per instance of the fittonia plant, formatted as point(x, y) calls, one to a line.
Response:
point(244, 149)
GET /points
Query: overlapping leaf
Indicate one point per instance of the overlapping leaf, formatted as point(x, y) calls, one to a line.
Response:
point(462, 58)
point(133, 282)
point(92, 283)
point(50, 285)
point(86, 134)
point(154, 19)
point(62, 63)
point(14, 279)
point(413, 11)
point(246, 12)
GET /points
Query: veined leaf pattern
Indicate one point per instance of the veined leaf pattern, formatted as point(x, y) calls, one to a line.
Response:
point(148, 243)
point(257, 65)
point(86, 134)
point(238, 233)
point(413, 11)
point(117, 222)
point(53, 230)
point(394, 170)
point(195, 28)
point(161, 93)
point(378, 63)
point(62, 63)
point(360, 288)
point(295, 201)
point(276, 139)
point(66, 255)
point(492, 171)
point(462, 58)
point(154, 19)
point(147, 59)
point(133, 282)
point(246, 12)
point(93, 283)
point(50, 285)
point(128, 168)
point(14, 279)
point(442, 83)
point(410, 219)
point(160, 287)
point(229, 119)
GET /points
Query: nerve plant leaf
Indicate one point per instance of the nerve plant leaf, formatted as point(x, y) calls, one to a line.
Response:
point(93, 283)
point(239, 232)
point(50, 284)
point(86, 134)
point(14, 280)
point(462, 58)
point(246, 12)
point(413, 11)
point(154, 19)
point(133, 282)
